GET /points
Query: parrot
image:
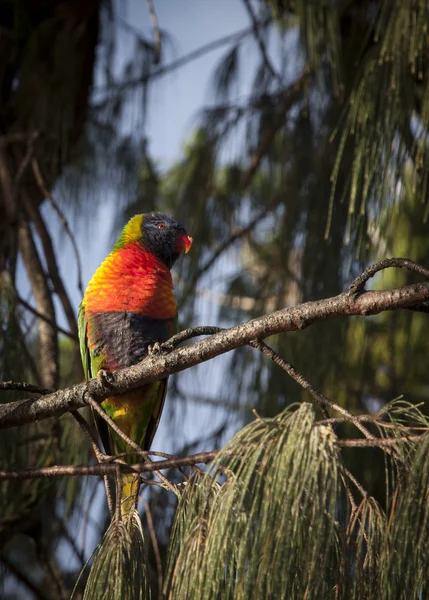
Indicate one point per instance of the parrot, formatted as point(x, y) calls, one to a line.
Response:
point(127, 308)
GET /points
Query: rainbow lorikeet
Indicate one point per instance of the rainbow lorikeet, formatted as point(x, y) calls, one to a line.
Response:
point(128, 306)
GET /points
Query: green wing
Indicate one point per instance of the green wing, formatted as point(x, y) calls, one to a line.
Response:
point(89, 363)
point(83, 342)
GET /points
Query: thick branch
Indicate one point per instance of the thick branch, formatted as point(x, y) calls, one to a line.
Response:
point(156, 367)
point(51, 263)
point(48, 343)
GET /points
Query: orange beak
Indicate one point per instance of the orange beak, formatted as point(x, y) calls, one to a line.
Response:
point(188, 243)
point(183, 242)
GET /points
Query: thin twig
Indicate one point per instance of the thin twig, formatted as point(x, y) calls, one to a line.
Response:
point(155, 546)
point(86, 517)
point(349, 492)
point(39, 315)
point(179, 461)
point(355, 482)
point(99, 456)
point(47, 194)
point(22, 578)
point(377, 442)
point(71, 540)
point(239, 233)
point(156, 32)
point(358, 284)
point(21, 386)
point(108, 469)
point(118, 498)
point(187, 334)
point(183, 60)
point(127, 439)
point(289, 97)
point(322, 400)
point(260, 41)
point(25, 161)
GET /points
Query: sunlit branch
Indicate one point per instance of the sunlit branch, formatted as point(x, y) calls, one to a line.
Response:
point(158, 365)
point(108, 468)
point(100, 470)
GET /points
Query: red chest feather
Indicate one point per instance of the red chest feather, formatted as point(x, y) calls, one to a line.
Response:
point(132, 280)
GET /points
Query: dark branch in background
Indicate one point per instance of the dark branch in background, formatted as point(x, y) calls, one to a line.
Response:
point(48, 342)
point(260, 41)
point(22, 578)
point(155, 546)
point(9, 209)
point(24, 163)
point(33, 211)
point(29, 358)
point(47, 194)
point(183, 60)
point(239, 233)
point(156, 32)
point(156, 367)
point(99, 456)
point(30, 388)
point(288, 99)
point(39, 315)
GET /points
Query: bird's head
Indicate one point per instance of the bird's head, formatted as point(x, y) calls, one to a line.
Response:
point(160, 234)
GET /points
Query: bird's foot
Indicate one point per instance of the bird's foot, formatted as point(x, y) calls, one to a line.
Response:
point(167, 347)
point(154, 349)
point(105, 377)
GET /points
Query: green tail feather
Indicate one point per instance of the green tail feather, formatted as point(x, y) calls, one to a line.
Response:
point(118, 571)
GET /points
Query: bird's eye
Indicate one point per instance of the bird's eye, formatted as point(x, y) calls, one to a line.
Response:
point(162, 226)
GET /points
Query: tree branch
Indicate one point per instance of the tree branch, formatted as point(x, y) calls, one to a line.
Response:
point(47, 194)
point(103, 469)
point(39, 315)
point(260, 41)
point(183, 60)
point(35, 215)
point(108, 468)
point(156, 32)
point(158, 366)
point(48, 343)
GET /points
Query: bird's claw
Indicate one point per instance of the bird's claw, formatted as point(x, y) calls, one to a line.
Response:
point(166, 347)
point(105, 377)
point(154, 349)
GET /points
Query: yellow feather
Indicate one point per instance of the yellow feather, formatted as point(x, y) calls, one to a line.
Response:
point(133, 229)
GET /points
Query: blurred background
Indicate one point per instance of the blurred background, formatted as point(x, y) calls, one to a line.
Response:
point(291, 139)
